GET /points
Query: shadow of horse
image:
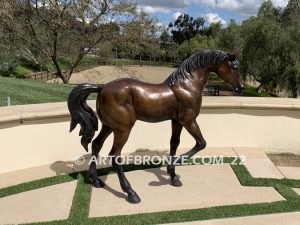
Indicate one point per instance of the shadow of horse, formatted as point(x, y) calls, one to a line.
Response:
point(71, 167)
point(66, 167)
point(161, 175)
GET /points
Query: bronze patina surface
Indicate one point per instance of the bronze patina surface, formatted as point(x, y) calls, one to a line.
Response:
point(122, 102)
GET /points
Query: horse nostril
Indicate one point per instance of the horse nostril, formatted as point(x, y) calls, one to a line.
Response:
point(239, 90)
point(242, 89)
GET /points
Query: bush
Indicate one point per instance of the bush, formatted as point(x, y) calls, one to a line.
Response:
point(21, 71)
point(7, 69)
point(251, 92)
point(32, 65)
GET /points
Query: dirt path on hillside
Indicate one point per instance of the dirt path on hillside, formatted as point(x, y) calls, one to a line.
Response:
point(105, 74)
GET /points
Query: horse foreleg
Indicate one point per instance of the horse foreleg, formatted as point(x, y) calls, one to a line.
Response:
point(120, 139)
point(193, 128)
point(96, 147)
point(174, 143)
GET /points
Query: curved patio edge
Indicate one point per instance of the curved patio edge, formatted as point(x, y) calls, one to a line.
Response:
point(20, 113)
point(35, 135)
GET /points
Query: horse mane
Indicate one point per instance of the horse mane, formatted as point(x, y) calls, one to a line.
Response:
point(195, 61)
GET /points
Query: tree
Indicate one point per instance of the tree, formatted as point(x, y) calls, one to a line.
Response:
point(168, 47)
point(261, 51)
point(193, 45)
point(53, 28)
point(139, 36)
point(164, 38)
point(268, 10)
point(291, 13)
point(271, 51)
point(229, 38)
point(290, 60)
point(290, 50)
point(185, 28)
point(213, 29)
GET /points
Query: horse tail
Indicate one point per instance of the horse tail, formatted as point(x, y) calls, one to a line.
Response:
point(83, 114)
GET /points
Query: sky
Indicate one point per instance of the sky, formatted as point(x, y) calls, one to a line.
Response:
point(212, 10)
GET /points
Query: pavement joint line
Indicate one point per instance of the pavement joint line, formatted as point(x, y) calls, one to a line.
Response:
point(233, 150)
point(281, 172)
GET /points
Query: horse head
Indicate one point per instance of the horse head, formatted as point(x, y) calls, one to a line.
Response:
point(228, 70)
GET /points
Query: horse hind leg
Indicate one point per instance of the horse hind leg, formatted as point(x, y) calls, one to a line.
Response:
point(120, 139)
point(96, 147)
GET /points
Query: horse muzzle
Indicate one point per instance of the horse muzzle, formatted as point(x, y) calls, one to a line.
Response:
point(239, 90)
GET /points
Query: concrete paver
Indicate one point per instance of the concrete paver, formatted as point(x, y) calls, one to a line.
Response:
point(203, 186)
point(44, 204)
point(290, 172)
point(218, 151)
point(297, 190)
point(251, 153)
point(48, 170)
point(263, 168)
point(34, 173)
point(258, 163)
point(209, 151)
point(274, 219)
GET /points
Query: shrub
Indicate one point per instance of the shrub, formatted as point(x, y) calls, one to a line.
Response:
point(7, 69)
point(32, 65)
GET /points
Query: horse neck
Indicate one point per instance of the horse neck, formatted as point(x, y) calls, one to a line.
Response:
point(200, 78)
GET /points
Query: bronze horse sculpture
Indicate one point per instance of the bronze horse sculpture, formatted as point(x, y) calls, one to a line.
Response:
point(121, 102)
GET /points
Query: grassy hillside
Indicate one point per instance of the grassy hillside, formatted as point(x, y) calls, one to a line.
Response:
point(21, 71)
point(22, 91)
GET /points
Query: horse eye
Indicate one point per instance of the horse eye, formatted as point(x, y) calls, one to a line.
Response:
point(234, 65)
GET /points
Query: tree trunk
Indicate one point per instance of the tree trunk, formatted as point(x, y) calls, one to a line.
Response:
point(295, 92)
point(63, 76)
point(293, 85)
point(59, 72)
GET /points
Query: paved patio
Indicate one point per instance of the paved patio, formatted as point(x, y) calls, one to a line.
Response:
point(44, 204)
point(273, 219)
point(203, 186)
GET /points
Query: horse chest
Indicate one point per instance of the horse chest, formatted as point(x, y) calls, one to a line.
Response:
point(189, 104)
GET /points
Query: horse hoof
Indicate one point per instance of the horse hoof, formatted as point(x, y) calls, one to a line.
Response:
point(133, 198)
point(176, 182)
point(98, 183)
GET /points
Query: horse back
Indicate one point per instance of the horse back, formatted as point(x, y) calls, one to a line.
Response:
point(137, 100)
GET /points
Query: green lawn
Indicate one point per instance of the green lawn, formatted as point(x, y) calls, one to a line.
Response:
point(23, 91)
point(89, 60)
point(21, 71)
point(64, 65)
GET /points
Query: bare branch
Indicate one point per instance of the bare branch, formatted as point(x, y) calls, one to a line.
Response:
point(56, 28)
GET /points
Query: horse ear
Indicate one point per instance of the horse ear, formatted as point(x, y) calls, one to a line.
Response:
point(231, 57)
point(237, 52)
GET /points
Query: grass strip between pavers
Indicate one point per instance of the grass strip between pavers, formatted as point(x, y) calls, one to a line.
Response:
point(81, 201)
